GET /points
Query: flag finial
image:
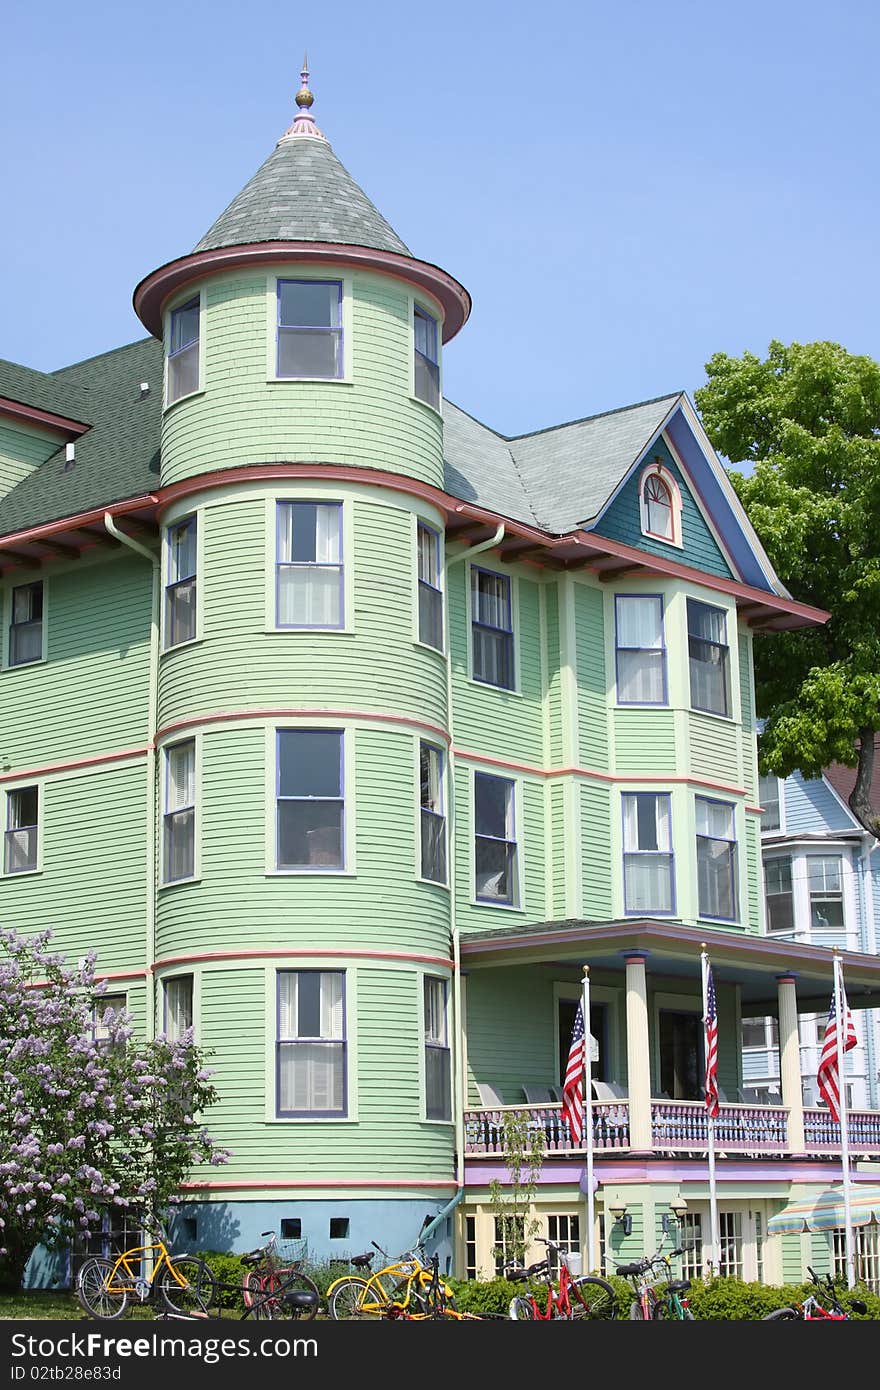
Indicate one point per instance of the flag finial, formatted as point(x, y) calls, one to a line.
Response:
point(703, 946)
point(586, 970)
point(304, 123)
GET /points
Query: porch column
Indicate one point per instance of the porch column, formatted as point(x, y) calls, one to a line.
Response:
point(790, 1062)
point(638, 1065)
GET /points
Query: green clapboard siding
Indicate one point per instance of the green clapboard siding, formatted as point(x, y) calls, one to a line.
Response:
point(388, 1139)
point(598, 870)
point(753, 873)
point(554, 674)
point(792, 1258)
point(644, 742)
point(750, 765)
point(511, 1030)
point(243, 418)
point(91, 891)
point(592, 677)
point(622, 522)
point(22, 449)
point(714, 748)
point(380, 907)
point(90, 695)
point(501, 723)
point(557, 814)
point(377, 667)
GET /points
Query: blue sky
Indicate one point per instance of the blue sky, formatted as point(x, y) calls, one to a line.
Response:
point(623, 189)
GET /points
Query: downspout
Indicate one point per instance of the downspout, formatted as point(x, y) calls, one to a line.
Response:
point(869, 844)
point(456, 944)
point(152, 709)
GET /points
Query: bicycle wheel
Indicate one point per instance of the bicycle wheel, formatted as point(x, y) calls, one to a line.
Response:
point(522, 1309)
point(252, 1292)
point(592, 1298)
point(781, 1315)
point(666, 1310)
point(93, 1293)
point(350, 1297)
point(195, 1294)
point(283, 1287)
point(636, 1312)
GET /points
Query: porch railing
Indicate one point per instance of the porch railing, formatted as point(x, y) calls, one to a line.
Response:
point(822, 1134)
point(680, 1126)
point(484, 1129)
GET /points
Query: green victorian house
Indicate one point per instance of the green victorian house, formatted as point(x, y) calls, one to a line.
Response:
point(348, 730)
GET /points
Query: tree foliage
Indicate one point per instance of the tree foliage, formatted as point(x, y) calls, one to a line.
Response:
point(808, 418)
point(85, 1124)
point(523, 1145)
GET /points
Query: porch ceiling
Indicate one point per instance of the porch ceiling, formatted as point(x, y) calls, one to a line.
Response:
point(752, 962)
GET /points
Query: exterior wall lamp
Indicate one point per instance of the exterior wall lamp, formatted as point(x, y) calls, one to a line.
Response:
point(678, 1206)
point(617, 1209)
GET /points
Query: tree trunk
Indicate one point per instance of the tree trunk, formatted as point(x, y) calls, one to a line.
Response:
point(860, 796)
point(12, 1264)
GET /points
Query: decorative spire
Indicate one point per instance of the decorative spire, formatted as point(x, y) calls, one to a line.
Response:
point(304, 123)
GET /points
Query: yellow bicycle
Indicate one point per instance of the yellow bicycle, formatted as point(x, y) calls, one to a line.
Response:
point(403, 1287)
point(185, 1283)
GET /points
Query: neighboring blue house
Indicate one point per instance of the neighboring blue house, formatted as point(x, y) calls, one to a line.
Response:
point(822, 886)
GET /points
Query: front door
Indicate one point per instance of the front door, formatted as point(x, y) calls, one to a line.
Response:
point(680, 1055)
point(598, 1025)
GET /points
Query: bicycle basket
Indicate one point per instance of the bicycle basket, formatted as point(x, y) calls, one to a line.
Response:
point(289, 1251)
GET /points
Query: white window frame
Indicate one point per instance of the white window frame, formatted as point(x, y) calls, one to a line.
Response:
point(170, 813)
point(302, 272)
point(642, 854)
point(421, 810)
point(736, 860)
point(340, 565)
point(439, 1043)
point(780, 803)
point(515, 688)
point(169, 584)
point(99, 1032)
point(659, 470)
point(273, 731)
point(419, 307)
point(9, 792)
point(178, 303)
point(170, 982)
point(9, 609)
point(343, 1112)
point(518, 876)
point(419, 524)
point(775, 859)
point(729, 674)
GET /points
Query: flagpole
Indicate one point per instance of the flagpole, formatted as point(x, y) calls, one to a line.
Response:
point(588, 1124)
point(710, 1122)
point(839, 1024)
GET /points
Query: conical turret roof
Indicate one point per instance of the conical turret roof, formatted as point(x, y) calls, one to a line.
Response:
point(302, 193)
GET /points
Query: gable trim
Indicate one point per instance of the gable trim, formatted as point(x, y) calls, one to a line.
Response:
point(32, 415)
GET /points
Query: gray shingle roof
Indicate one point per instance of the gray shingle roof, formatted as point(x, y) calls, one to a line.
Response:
point(117, 458)
point(302, 193)
point(42, 390)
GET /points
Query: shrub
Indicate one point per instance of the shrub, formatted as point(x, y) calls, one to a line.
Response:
point(229, 1271)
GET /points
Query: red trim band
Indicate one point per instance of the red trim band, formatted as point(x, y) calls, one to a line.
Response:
point(33, 415)
point(273, 1186)
point(93, 761)
point(230, 715)
point(167, 961)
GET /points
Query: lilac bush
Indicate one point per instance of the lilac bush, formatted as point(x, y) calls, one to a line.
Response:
point(86, 1125)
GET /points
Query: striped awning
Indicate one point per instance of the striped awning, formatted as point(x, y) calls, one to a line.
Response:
point(825, 1211)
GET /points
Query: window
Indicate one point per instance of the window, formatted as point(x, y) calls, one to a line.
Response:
point(690, 1237)
point(510, 1241)
point(826, 893)
point(309, 590)
point(180, 587)
point(183, 351)
point(310, 328)
point(108, 1015)
point(780, 897)
point(492, 628)
point(759, 1247)
point(26, 625)
point(339, 1227)
point(311, 1042)
point(178, 1006)
point(658, 512)
point(647, 852)
point(433, 819)
point(20, 839)
point(681, 1045)
point(708, 657)
point(438, 1068)
point(768, 795)
point(311, 805)
point(291, 1228)
point(495, 839)
point(716, 858)
point(430, 592)
point(566, 1012)
point(565, 1233)
point(641, 655)
point(866, 1246)
point(470, 1247)
point(760, 1032)
point(179, 821)
point(426, 358)
point(730, 1264)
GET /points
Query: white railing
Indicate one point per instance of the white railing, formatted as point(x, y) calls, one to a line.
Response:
point(680, 1126)
point(822, 1134)
point(484, 1129)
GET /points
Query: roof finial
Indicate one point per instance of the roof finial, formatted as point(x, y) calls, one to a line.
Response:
point(304, 123)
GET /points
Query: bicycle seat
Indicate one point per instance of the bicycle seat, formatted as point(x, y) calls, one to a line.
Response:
point(361, 1261)
point(629, 1269)
point(252, 1257)
point(516, 1276)
point(301, 1298)
point(678, 1285)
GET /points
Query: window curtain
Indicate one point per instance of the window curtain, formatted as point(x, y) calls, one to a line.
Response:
point(640, 656)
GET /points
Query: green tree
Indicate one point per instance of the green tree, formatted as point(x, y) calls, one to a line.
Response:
point(85, 1125)
point(511, 1202)
point(807, 417)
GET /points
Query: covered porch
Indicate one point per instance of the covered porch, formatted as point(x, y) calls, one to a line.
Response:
point(520, 991)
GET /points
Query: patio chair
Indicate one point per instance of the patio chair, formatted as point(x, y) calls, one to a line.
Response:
point(489, 1097)
point(539, 1095)
point(609, 1090)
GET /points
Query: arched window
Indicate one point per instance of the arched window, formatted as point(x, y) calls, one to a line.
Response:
point(660, 504)
point(658, 508)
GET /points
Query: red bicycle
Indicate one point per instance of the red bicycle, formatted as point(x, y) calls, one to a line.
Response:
point(576, 1297)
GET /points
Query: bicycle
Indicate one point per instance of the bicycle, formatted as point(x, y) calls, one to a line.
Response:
point(649, 1305)
point(185, 1283)
point(389, 1291)
point(276, 1285)
point(811, 1310)
point(577, 1297)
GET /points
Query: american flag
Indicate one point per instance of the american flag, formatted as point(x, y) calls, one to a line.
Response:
point(573, 1085)
point(828, 1075)
point(711, 1025)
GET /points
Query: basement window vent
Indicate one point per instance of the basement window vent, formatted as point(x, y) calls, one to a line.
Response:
point(291, 1228)
point(339, 1226)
